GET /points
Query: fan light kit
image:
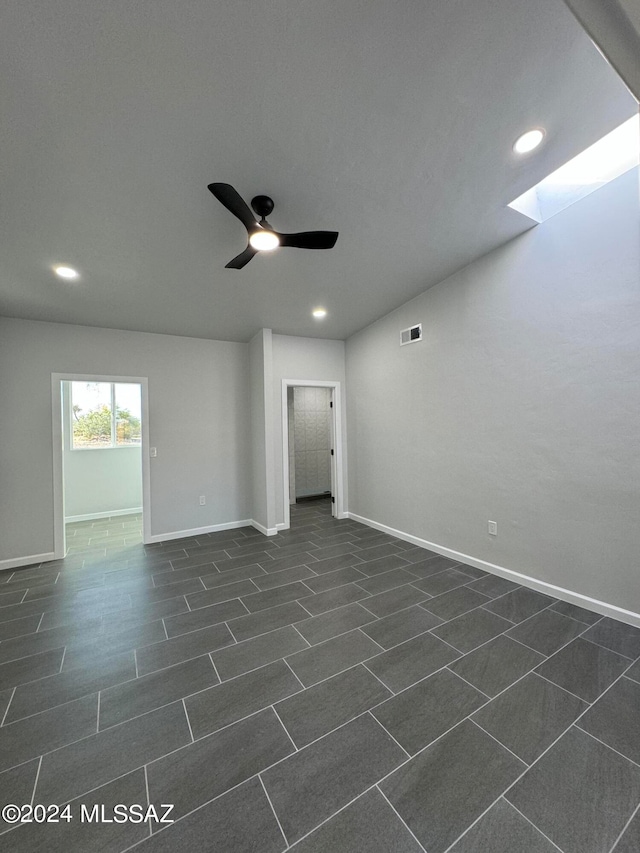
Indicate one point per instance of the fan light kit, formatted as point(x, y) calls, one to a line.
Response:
point(528, 141)
point(66, 272)
point(264, 241)
point(261, 236)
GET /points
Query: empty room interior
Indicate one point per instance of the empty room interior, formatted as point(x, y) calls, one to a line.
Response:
point(319, 405)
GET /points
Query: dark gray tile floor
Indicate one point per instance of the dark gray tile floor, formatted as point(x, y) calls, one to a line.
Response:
point(330, 689)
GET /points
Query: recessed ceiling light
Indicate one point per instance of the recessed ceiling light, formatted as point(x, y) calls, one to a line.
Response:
point(319, 313)
point(528, 141)
point(66, 272)
point(264, 240)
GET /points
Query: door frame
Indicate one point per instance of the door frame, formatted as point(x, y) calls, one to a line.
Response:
point(59, 536)
point(337, 484)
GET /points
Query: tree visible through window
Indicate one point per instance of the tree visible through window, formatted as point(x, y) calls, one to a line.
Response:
point(105, 414)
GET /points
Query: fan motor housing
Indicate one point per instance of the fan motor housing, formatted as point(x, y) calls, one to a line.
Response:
point(262, 205)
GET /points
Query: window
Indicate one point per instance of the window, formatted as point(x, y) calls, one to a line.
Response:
point(105, 414)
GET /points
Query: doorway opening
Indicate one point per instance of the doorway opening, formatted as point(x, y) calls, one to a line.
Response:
point(100, 461)
point(312, 445)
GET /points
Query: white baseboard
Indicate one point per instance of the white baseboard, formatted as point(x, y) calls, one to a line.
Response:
point(19, 562)
point(568, 595)
point(199, 531)
point(266, 531)
point(94, 515)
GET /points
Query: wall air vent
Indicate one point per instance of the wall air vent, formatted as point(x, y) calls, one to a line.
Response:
point(411, 335)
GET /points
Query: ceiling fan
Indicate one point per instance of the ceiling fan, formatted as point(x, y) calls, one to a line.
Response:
point(262, 237)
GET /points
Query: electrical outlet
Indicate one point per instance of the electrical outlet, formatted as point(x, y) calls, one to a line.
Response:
point(493, 527)
point(203, 500)
point(153, 451)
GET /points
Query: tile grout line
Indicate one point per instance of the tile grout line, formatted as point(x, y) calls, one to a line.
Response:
point(624, 828)
point(293, 625)
point(286, 730)
point(431, 743)
point(574, 724)
point(560, 687)
point(481, 645)
point(294, 675)
point(230, 630)
point(631, 678)
point(331, 816)
point(362, 634)
point(185, 660)
point(37, 779)
point(537, 828)
point(563, 646)
point(146, 787)
point(356, 628)
point(4, 716)
point(371, 672)
point(184, 708)
point(286, 840)
point(457, 650)
point(305, 609)
point(387, 732)
point(202, 690)
point(400, 818)
point(606, 648)
point(608, 746)
point(372, 613)
point(215, 669)
point(509, 686)
point(499, 742)
point(124, 722)
point(502, 795)
point(457, 674)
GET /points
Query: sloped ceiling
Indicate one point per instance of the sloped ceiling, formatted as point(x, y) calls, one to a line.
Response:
point(391, 123)
point(632, 9)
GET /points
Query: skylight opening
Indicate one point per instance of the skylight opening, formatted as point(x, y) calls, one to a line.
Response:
point(606, 159)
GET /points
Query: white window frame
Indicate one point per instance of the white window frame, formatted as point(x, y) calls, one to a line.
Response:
point(113, 445)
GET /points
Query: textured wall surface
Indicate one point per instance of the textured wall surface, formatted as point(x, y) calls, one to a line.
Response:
point(199, 420)
point(520, 405)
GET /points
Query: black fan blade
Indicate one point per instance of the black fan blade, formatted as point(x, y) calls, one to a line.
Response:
point(310, 239)
point(230, 198)
point(242, 259)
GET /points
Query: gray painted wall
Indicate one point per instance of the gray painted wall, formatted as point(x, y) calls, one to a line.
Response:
point(261, 379)
point(198, 419)
point(521, 405)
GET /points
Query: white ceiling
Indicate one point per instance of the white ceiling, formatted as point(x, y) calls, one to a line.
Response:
point(390, 122)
